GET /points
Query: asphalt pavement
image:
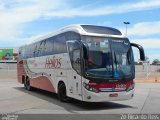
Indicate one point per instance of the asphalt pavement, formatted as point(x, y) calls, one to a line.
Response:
point(14, 99)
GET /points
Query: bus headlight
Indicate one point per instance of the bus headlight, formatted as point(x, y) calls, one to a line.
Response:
point(90, 88)
point(131, 87)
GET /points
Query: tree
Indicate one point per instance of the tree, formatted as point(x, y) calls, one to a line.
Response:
point(136, 63)
point(147, 59)
point(156, 62)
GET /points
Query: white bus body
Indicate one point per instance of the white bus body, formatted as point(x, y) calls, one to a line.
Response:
point(84, 62)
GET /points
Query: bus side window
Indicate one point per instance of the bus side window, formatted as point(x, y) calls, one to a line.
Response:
point(41, 49)
point(72, 36)
point(32, 50)
point(74, 53)
point(20, 54)
point(48, 48)
point(27, 52)
point(60, 44)
point(76, 60)
point(36, 49)
point(23, 53)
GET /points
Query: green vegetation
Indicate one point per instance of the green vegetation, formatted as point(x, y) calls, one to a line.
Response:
point(156, 62)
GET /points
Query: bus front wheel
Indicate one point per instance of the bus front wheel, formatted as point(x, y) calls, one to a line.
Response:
point(62, 94)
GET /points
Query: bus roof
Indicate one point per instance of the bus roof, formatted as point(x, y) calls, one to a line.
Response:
point(91, 30)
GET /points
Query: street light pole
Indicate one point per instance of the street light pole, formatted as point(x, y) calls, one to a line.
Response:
point(126, 23)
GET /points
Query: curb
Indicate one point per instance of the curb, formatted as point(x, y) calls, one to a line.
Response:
point(147, 81)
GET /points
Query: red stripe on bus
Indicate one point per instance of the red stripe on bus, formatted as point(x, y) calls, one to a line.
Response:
point(20, 70)
point(43, 83)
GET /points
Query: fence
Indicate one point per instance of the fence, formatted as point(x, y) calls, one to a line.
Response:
point(144, 72)
point(8, 70)
point(148, 72)
point(8, 65)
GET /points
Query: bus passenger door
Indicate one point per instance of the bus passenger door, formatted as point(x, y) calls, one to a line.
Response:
point(75, 78)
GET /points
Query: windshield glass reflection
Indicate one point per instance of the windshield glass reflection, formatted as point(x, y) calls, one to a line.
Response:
point(109, 58)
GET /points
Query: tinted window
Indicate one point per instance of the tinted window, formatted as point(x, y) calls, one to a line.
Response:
point(20, 56)
point(49, 46)
point(41, 49)
point(60, 44)
point(35, 53)
point(32, 47)
point(101, 29)
point(27, 54)
point(72, 36)
point(52, 45)
point(75, 53)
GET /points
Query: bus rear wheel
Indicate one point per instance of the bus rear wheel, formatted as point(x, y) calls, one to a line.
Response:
point(27, 84)
point(62, 94)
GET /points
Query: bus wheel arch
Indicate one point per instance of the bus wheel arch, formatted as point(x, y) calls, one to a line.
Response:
point(62, 92)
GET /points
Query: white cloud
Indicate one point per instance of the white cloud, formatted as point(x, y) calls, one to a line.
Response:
point(16, 13)
point(90, 10)
point(148, 43)
point(145, 28)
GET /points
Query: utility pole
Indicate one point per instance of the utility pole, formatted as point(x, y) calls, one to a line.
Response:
point(126, 23)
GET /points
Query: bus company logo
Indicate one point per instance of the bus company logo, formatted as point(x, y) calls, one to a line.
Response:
point(126, 43)
point(121, 86)
point(53, 62)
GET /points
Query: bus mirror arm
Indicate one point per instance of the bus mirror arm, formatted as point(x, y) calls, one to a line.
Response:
point(141, 50)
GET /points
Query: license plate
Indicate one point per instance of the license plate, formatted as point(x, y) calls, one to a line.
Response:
point(113, 95)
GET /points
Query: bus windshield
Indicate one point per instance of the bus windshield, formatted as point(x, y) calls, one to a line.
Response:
point(109, 58)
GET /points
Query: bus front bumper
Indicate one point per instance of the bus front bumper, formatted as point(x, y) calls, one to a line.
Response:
point(89, 96)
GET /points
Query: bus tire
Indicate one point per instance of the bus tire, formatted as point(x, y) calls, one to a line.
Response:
point(62, 94)
point(27, 84)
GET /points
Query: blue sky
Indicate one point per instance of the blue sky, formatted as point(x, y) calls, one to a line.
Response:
point(23, 20)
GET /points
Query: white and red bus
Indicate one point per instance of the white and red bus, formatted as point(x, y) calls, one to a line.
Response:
point(85, 62)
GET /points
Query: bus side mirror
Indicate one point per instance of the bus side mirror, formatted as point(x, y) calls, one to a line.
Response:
point(141, 50)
